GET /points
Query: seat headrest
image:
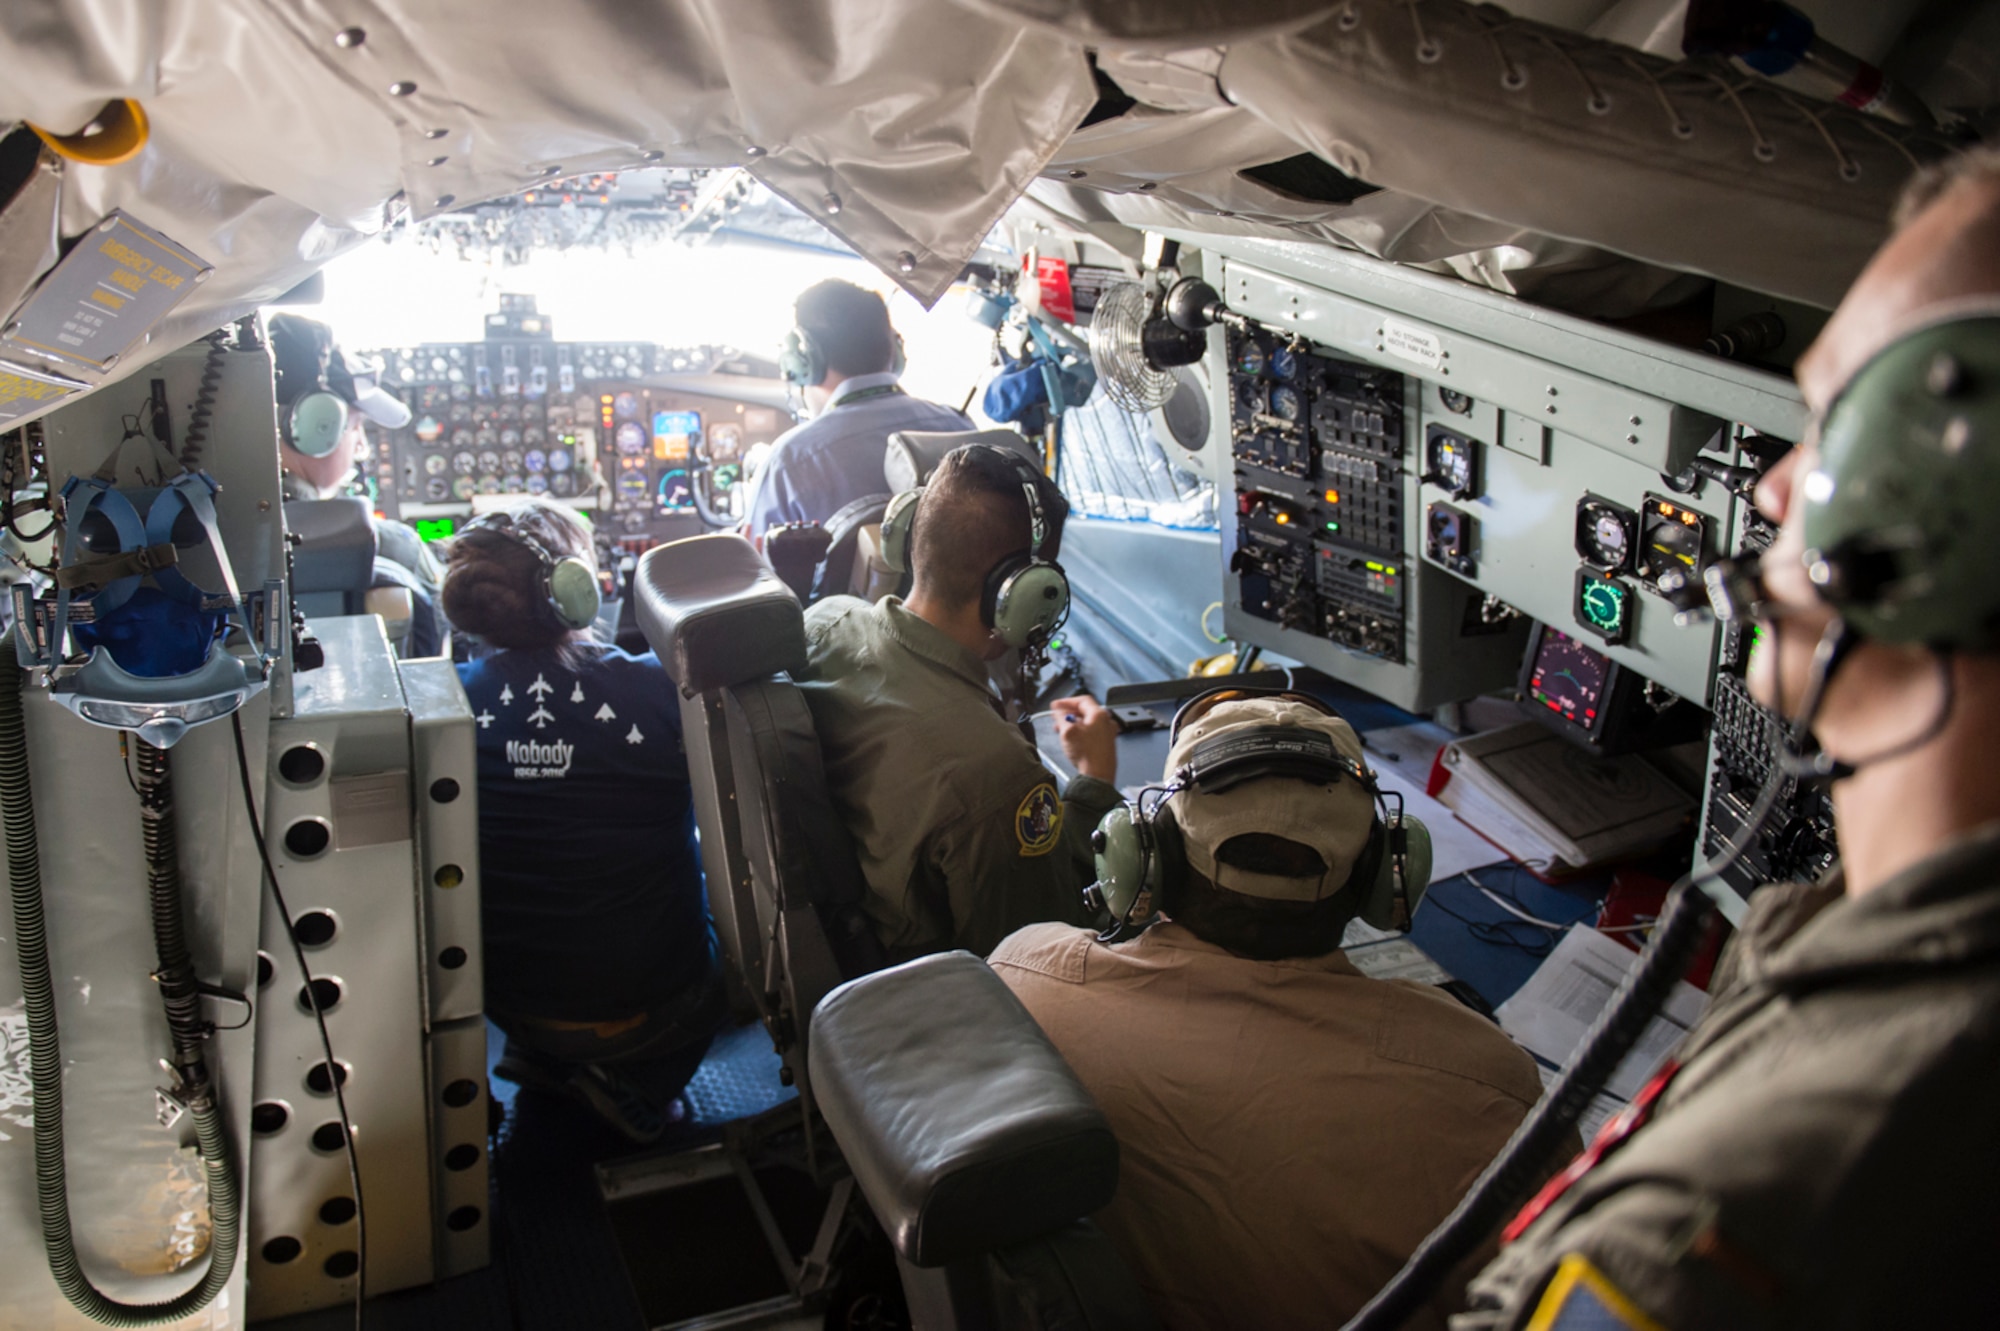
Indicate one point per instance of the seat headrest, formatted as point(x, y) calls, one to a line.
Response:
point(716, 614)
point(336, 545)
point(964, 1127)
point(913, 455)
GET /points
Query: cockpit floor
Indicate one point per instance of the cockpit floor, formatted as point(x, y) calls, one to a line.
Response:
point(556, 1256)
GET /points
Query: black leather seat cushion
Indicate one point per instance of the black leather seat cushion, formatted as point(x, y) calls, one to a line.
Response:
point(912, 455)
point(716, 613)
point(804, 848)
point(336, 549)
point(964, 1127)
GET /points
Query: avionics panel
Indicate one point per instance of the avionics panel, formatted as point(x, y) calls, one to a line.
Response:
point(583, 423)
point(1542, 487)
point(1318, 531)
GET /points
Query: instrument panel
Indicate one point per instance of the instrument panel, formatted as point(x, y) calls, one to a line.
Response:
point(603, 427)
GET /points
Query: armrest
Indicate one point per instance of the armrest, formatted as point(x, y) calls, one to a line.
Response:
point(964, 1127)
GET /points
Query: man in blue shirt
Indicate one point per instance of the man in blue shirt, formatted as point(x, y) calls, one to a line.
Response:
point(846, 358)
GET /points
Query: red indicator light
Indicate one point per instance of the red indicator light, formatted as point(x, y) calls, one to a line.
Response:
point(1554, 706)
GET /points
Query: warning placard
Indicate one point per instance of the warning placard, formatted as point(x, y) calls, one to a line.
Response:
point(23, 390)
point(113, 286)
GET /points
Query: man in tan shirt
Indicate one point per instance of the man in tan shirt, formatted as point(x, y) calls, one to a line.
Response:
point(1289, 1128)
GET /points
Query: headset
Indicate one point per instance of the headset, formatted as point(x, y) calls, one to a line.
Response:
point(318, 416)
point(1025, 598)
point(803, 360)
point(569, 584)
point(1903, 512)
point(1140, 848)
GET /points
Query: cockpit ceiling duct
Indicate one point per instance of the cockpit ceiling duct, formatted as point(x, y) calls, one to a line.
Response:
point(283, 134)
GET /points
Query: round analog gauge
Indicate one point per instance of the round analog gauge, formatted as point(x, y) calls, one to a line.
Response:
point(1285, 403)
point(461, 413)
point(537, 483)
point(463, 437)
point(559, 459)
point(510, 411)
point(1285, 363)
point(435, 464)
point(461, 392)
point(675, 492)
point(509, 437)
point(562, 483)
point(1455, 401)
point(725, 476)
point(433, 398)
point(1250, 402)
point(489, 485)
point(533, 435)
point(489, 461)
point(429, 429)
point(487, 437)
point(1670, 545)
point(512, 483)
point(511, 460)
point(1603, 606)
point(631, 439)
point(1250, 357)
point(632, 487)
point(437, 489)
point(725, 441)
point(464, 488)
point(535, 460)
point(531, 413)
point(1607, 540)
point(633, 522)
point(457, 377)
point(625, 406)
point(464, 463)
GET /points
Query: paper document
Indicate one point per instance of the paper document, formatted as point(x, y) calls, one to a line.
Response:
point(1397, 958)
point(1595, 1115)
point(1401, 757)
point(1551, 1012)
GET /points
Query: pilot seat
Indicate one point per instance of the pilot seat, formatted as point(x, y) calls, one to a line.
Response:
point(335, 568)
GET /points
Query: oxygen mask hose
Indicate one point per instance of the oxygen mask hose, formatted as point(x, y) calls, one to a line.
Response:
point(17, 815)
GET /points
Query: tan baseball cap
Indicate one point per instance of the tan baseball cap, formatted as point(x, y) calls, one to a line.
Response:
point(1331, 819)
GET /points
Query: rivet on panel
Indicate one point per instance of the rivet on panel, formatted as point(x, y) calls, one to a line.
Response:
point(1552, 390)
point(652, 155)
point(402, 88)
point(1076, 174)
point(445, 200)
point(753, 151)
point(1631, 438)
point(1149, 185)
point(906, 262)
point(437, 161)
point(349, 38)
point(436, 133)
point(1551, 408)
point(111, 361)
point(830, 201)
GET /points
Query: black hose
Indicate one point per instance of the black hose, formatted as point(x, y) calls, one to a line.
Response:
point(17, 814)
point(203, 410)
point(1521, 1164)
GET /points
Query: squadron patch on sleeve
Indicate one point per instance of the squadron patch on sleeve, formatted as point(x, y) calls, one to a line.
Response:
point(1582, 1298)
point(1038, 822)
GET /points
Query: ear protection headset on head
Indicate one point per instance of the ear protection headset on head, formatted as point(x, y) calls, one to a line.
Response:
point(1026, 597)
point(1140, 848)
point(569, 584)
point(1903, 513)
point(803, 360)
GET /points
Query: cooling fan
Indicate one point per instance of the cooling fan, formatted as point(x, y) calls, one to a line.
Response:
point(1140, 332)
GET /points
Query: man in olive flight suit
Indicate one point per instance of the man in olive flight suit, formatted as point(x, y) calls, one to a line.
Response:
point(961, 832)
point(1823, 1153)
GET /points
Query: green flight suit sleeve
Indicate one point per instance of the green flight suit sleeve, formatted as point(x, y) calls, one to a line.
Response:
point(1020, 858)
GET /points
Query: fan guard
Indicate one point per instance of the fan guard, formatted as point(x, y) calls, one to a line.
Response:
point(1117, 349)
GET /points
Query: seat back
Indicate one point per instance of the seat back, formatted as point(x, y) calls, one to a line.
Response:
point(853, 564)
point(977, 1148)
point(783, 882)
point(333, 558)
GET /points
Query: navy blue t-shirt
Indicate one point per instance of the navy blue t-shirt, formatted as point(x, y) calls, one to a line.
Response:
point(592, 896)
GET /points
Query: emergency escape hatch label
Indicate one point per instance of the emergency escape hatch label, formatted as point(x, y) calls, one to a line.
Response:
point(1419, 346)
point(106, 294)
point(23, 390)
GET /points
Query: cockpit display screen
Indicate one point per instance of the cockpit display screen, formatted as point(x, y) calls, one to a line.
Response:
point(674, 434)
point(1569, 679)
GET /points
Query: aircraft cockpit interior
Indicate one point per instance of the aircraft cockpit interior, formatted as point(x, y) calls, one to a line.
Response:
point(955, 664)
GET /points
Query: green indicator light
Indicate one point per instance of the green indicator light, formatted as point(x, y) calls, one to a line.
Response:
point(1374, 567)
point(434, 529)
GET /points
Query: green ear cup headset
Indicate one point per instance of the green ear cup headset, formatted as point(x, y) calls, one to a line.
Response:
point(1902, 515)
point(1140, 848)
point(569, 584)
point(315, 422)
point(803, 360)
point(1026, 597)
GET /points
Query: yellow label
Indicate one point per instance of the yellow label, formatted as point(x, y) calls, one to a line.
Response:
point(1038, 822)
point(1582, 1298)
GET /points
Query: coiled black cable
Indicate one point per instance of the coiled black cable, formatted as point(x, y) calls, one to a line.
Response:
point(17, 811)
point(203, 410)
